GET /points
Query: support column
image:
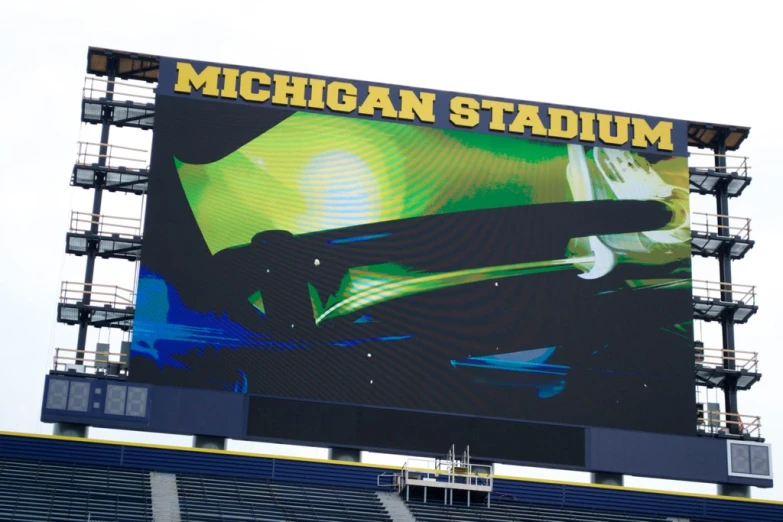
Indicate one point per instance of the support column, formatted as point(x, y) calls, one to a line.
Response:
point(734, 490)
point(345, 454)
point(209, 442)
point(97, 199)
point(724, 261)
point(68, 429)
point(606, 479)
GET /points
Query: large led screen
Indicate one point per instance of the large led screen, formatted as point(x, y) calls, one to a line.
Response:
point(386, 266)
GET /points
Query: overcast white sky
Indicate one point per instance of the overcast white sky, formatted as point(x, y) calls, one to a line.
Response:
point(704, 61)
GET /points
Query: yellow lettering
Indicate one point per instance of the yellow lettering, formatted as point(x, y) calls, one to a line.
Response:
point(643, 135)
point(247, 84)
point(341, 97)
point(423, 106)
point(378, 98)
point(316, 93)
point(587, 120)
point(289, 87)
point(527, 116)
point(498, 108)
point(188, 79)
point(605, 129)
point(464, 111)
point(229, 83)
point(563, 123)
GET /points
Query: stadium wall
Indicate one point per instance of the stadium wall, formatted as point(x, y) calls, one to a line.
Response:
point(181, 460)
point(676, 457)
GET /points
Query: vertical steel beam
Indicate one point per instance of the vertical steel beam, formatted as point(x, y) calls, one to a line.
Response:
point(100, 183)
point(724, 261)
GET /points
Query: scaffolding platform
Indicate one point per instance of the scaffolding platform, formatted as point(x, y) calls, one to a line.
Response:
point(119, 114)
point(119, 179)
point(715, 301)
point(712, 234)
point(104, 236)
point(706, 178)
point(95, 305)
point(712, 370)
point(111, 167)
point(453, 476)
point(118, 103)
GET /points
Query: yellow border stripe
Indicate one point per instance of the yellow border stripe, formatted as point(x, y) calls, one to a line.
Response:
point(380, 466)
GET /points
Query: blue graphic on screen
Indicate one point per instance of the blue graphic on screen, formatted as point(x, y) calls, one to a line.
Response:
point(165, 328)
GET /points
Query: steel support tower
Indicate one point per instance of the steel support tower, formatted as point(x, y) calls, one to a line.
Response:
point(102, 167)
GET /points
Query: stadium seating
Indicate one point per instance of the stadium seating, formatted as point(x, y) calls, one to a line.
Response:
point(58, 479)
point(210, 498)
point(36, 491)
point(502, 511)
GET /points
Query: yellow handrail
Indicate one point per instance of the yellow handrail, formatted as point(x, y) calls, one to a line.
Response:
point(739, 164)
point(89, 89)
point(749, 424)
point(83, 222)
point(91, 151)
point(710, 225)
point(74, 292)
point(743, 360)
point(715, 289)
point(87, 358)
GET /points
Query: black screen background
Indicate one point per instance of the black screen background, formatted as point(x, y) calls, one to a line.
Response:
point(548, 310)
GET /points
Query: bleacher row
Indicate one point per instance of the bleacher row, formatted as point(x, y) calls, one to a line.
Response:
point(504, 511)
point(37, 492)
point(40, 491)
point(217, 499)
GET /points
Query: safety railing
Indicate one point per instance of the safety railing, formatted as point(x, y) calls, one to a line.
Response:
point(115, 296)
point(704, 161)
point(113, 155)
point(98, 88)
point(389, 479)
point(715, 357)
point(737, 227)
point(744, 294)
point(105, 225)
point(89, 361)
point(719, 422)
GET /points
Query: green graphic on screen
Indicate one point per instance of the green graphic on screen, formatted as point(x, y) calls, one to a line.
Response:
point(312, 173)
